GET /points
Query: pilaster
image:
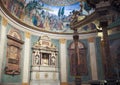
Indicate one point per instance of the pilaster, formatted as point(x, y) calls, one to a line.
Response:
point(26, 63)
point(2, 43)
point(93, 62)
point(63, 63)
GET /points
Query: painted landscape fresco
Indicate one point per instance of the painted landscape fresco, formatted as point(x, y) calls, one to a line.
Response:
point(47, 15)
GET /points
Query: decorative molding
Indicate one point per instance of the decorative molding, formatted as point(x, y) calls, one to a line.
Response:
point(27, 34)
point(15, 39)
point(62, 41)
point(4, 21)
point(91, 39)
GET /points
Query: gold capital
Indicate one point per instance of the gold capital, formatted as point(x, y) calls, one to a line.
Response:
point(91, 39)
point(27, 34)
point(4, 21)
point(37, 75)
point(64, 83)
point(62, 41)
point(25, 84)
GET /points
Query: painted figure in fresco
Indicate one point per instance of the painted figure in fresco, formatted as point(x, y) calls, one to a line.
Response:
point(40, 23)
point(51, 22)
point(46, 23)
point(34, 20)
point(60, 25)
point(43, 16)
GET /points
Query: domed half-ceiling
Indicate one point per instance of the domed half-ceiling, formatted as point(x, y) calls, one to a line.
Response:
point(60, 2)
point(49, 15)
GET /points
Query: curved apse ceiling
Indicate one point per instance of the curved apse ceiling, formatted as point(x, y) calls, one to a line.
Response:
point(60, 2)
point(50, 15)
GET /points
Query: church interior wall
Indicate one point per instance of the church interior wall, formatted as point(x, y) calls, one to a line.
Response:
point(87, 76)
point(17, 79)
point(12, 78)
point(114, 40)
point(26, 60)
point(99, 58)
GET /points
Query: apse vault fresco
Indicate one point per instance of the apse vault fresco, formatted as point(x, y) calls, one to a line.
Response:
point(60, 2)
point(50, 15)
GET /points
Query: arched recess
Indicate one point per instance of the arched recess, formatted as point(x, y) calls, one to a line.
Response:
point(81, 64)
point(13, 55)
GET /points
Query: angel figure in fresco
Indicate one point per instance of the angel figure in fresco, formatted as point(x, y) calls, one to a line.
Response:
point(46, 23)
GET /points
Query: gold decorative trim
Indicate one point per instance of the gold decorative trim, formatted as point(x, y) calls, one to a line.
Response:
point(91, 39)
point(4, 21)
point(77, 76)
point(25, 83)
point(64, 83)
point(62, 41)
point(54, 76)
point(46, 75)
point(27, 34)
point(37, 75)
point(102, 43)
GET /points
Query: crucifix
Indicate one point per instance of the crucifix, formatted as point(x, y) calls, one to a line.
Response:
point(76, 56)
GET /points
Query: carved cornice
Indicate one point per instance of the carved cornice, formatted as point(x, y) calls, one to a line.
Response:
point(4, 22)
point(15, 39)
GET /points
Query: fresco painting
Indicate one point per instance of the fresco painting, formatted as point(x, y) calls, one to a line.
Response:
point(46, 15)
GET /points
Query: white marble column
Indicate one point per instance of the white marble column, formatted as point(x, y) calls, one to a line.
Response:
point(2, 43)
point(93, 60)
point(63, 63)
point(26, 63)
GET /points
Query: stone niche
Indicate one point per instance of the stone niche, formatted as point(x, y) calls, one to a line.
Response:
point(44, 69)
